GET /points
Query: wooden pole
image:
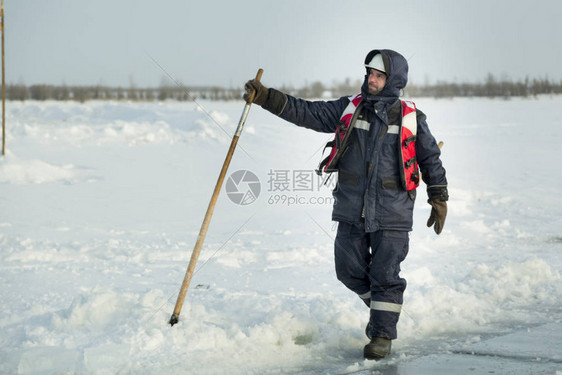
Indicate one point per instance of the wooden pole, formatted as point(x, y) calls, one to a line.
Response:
point(207, 220)
point(3, 85)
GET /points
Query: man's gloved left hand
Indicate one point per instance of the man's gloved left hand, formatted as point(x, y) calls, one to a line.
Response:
point(438, 215)
point(261, 91)
point(438, 197)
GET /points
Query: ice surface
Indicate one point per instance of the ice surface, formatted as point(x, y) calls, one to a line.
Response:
point(534, 350)
point(101, 203)
point(536, 343)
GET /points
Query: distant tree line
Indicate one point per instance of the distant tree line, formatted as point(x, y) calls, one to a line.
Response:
point(491, 87)
point(83, 93)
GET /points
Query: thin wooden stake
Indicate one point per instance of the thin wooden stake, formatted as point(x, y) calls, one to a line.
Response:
point(3, 85)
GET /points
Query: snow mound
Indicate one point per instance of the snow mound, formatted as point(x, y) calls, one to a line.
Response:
point(487, 294)
point(18, 171)
point(102, 310)
point(107, 123)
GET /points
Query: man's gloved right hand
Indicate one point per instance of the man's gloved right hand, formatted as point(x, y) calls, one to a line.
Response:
point(261, 91)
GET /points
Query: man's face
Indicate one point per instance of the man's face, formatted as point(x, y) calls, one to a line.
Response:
point(376, 81)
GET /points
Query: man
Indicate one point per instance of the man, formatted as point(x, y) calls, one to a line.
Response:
point(377, 176)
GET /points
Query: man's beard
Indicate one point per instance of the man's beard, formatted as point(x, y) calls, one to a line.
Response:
point(373, 90)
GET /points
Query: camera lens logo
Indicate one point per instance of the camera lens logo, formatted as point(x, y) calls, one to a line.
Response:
point(243, 187)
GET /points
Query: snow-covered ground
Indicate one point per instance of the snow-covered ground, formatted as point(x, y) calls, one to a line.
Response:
point(101, 204)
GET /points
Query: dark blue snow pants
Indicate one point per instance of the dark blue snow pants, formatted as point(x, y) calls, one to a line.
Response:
point(369, 265)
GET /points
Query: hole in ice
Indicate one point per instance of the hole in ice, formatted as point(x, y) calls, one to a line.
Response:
point(304, 339)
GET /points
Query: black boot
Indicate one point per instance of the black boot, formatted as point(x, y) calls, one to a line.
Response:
point(367, 330)
point(378, 348)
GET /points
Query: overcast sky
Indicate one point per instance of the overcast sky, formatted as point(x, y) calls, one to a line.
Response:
point(210, 42)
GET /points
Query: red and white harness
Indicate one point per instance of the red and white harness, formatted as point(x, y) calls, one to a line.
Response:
point(409, 170)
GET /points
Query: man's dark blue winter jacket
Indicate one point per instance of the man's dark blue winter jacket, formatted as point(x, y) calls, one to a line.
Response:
point(368, 188)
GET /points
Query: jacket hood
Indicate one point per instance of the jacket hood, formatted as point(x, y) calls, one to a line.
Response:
point(396, 68)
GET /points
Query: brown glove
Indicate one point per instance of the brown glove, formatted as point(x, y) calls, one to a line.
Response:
point(261, 91)
point(438, 215)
